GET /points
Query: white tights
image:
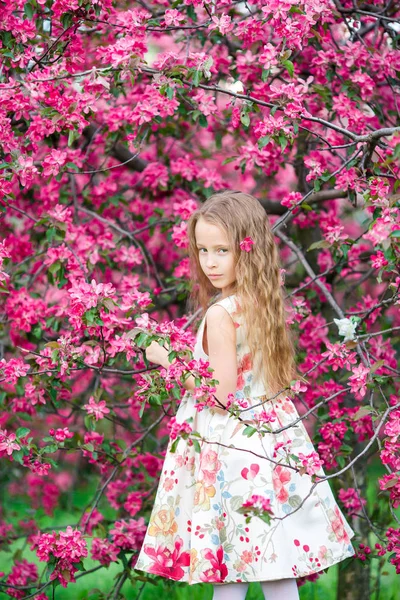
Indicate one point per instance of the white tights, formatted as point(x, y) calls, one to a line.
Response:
point(282, 589)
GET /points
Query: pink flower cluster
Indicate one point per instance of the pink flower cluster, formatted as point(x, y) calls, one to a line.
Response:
point(390, 454)
point(13, 369)
point(67, 547)
point(393, 536)
point(351, 500)
point(178, 429)
point(128, 535)
point(22, 574)
point(258, 503)
point(311, 462)
point(391, 482)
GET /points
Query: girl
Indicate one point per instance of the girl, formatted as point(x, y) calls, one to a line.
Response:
point(196, 533)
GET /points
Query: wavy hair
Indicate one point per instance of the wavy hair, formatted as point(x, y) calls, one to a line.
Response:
point(258, 285)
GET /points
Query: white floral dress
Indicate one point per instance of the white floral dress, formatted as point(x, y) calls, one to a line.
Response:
point(195, 533)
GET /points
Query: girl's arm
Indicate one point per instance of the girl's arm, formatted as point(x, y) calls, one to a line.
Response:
point(221, 340)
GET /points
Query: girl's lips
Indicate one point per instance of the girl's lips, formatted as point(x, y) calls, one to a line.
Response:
point(214, 276)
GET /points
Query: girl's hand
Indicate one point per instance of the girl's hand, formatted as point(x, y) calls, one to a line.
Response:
point(157, 354)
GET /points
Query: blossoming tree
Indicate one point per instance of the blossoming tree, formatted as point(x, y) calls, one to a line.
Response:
point(117, 119)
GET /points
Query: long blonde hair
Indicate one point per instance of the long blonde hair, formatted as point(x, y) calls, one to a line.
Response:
point(258, 285)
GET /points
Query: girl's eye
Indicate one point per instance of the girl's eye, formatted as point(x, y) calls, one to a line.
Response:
point(220, 250)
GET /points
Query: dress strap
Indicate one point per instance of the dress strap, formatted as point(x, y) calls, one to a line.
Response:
point(228, 303)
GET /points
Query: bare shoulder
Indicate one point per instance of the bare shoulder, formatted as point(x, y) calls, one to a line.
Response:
point(219, 321)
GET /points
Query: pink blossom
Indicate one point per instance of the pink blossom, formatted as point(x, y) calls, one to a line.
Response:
point(133, 503)
point(173, 17)
point(378, 260)
point(358, 381)
point(392, 427)
point(178, 429)
point(53, 162)
point(62, 434)
point(314, 166)
point(246, 244)
point(351, 500)
point(206, 103)
point(128, 535)
point(311, 462)
point(88, 524)
point(99, 409)
point(68, 547)
point(155, 175)
point(27, 170)
point(179, 235)
point(258, 502)
point(184, 208)
point(8, 444)
point(268, 57)
point(223, 24)
point(13, 369)
point(104, 551)
point(391, 482)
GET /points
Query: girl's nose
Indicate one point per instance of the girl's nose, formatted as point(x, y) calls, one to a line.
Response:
point(210, 260)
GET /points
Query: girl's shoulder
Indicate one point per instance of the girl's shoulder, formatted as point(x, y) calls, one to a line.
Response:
point(231, 305)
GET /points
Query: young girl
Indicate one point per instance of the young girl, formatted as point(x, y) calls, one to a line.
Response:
point(196, 533)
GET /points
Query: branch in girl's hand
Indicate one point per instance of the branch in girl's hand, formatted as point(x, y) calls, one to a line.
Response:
point(257, 506)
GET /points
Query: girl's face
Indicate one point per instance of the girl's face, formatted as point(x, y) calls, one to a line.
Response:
point(215, 255)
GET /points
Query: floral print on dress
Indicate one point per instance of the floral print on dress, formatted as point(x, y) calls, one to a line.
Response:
point(195, 533)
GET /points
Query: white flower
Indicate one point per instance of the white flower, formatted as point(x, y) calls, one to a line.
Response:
point(347, 327)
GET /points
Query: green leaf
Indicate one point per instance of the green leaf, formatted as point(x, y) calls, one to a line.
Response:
point(296, 9)
point(265, 74)
point(22, 432)
point(49, 449)
point(66, 20)
point(72, 166)
point(283, 141)
point(50, 234)
point(245, 118)
point(196, 446)
point(363, 411)
point(289, 67)
point(263, 141)
point(347, 449)
point(203, 121)
point(154, 400)
point(229, 160)
point(190, 11)
point(395, 233)
point(317, 185)
point(174, 446)
point(196, 78)
point(72, 136)
point(319, 244)
point(79, 566)
point(28, 11)
point(249, 431)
